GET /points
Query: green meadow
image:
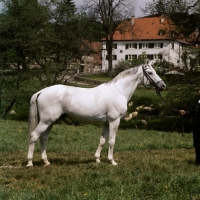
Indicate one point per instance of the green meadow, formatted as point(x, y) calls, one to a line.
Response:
point(151, 165)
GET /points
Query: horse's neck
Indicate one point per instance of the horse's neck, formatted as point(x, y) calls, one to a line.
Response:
point(128, 85)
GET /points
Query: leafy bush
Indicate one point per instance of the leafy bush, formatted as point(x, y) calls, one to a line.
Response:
point(161, 117)
point(168, 124)
point(121, 66)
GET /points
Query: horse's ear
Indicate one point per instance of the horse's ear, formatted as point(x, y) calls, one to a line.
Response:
point(146, 61)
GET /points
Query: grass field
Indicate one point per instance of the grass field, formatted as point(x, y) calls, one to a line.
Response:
point(151, 165)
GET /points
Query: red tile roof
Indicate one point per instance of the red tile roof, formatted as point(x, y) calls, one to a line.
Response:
point(146, 28)
point(89, 46)
point(194, 37)
point(95, 48)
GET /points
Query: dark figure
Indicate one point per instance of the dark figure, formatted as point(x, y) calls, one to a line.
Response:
point(195, 113)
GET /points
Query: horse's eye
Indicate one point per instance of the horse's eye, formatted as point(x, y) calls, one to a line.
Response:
point(150, 73)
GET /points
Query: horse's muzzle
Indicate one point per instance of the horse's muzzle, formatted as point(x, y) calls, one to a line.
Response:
point(161, 86)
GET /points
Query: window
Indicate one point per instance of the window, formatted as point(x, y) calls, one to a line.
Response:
point(114, 46)
point(160, 56)
point(172, 46)
point(151, 45)
point(154, 56)
point(130, 57)
point(148, 45)
point(160, 45)
point(114, 57)
point(131, 46)
point(143, 45)
point(150, 56)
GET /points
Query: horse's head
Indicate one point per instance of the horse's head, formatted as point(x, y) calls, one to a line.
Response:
point(151, 77)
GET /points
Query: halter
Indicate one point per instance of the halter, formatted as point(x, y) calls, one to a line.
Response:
point(155, 85)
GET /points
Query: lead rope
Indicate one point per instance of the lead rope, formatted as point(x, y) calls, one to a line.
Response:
point(176, 110)
point(158, 93)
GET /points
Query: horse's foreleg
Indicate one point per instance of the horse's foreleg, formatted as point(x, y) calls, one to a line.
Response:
point(33, 138)
point(113, 127)
point(43, 142)
point(103, 137)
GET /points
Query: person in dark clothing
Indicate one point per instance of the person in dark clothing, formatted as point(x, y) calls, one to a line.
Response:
point(195, 113)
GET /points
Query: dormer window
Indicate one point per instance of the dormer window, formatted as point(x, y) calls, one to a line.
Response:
point(173, 33)
point(161, 32)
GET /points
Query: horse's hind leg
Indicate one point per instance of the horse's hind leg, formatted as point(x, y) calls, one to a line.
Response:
point(103, 137)
point(43, 141)
point(41, 127)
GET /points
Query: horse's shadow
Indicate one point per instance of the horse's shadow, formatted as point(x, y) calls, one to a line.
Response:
point(57, 161)
point(60, 162)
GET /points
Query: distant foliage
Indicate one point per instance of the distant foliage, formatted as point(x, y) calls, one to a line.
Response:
point(125, 64)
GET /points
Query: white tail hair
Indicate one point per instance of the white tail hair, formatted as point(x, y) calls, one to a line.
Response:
point(33, 114)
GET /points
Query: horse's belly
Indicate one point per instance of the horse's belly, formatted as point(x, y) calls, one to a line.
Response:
point(87, 118)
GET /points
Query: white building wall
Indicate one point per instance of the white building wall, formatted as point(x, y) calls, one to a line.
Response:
point(175, 53)
point(170, 51)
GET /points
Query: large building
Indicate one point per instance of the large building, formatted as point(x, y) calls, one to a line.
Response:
point(155, 37)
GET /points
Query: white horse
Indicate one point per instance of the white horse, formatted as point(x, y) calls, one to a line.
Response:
point(106, 103)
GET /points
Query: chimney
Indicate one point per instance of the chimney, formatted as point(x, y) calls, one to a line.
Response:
point(162, 19)
point(196, 33)
point(132, 20)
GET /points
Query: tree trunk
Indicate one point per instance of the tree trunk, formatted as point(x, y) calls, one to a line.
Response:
point(3, 115)
point(109, 53)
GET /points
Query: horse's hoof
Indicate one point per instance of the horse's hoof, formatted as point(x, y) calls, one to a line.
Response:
point(29, 165)
point(47, 164)
point(113, 163)
point(98, 160)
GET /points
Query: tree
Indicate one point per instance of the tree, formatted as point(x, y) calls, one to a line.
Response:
point(37, 40)
point(186, 16)
point(108, 14)
point(19, 23)
point(58, 42)
point(156, 7)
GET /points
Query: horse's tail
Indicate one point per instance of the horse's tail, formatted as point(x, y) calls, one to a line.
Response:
point(33, 114)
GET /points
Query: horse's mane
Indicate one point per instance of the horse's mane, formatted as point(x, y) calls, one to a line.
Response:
point(127, 72)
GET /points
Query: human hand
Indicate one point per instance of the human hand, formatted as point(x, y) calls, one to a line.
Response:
point(182, 112)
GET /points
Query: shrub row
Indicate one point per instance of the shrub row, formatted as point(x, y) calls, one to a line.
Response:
point(157, 119)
